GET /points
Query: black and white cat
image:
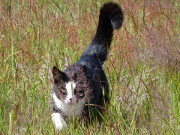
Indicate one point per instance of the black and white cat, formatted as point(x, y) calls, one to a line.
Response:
point(82, 89)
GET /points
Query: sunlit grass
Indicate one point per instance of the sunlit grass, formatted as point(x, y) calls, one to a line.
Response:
point(142, 67)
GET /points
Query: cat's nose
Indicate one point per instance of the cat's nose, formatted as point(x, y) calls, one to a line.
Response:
point(70, 100)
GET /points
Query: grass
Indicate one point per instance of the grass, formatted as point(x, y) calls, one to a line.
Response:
point(142, 67)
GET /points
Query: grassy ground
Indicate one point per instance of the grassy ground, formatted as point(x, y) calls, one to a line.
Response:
point(142, 67)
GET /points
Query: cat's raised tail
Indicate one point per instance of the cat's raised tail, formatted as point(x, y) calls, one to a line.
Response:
point(110, 18)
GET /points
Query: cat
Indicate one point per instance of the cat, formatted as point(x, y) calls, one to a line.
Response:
point(82, 90)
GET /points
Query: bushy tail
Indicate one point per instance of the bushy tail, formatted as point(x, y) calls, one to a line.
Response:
point(110, 18)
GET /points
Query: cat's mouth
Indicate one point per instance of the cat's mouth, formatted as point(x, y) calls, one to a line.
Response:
point(71, 103)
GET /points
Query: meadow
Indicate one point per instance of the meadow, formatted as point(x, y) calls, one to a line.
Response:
point(143, 65)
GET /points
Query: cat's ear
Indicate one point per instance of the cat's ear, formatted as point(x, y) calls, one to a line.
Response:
point(79, 72)
point(59, 75)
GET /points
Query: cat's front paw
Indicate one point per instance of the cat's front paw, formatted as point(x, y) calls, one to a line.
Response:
point(58, 121)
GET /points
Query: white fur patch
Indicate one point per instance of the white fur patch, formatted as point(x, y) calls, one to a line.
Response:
point(58, 121)
point(71, 98)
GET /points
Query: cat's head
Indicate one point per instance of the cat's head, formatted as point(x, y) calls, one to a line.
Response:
point(70, 86)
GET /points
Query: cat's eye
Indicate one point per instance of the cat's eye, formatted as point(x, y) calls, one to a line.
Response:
point(81, 91)
point(63, 91)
